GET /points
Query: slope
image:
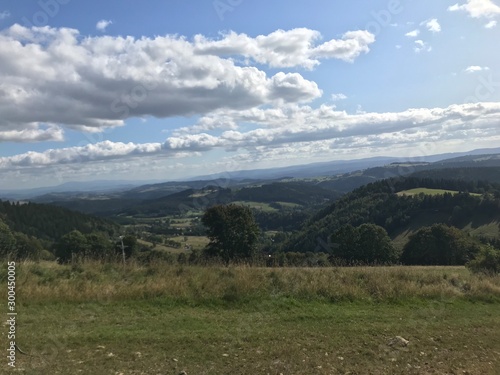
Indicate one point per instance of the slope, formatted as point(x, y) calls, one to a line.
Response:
point(378, 203)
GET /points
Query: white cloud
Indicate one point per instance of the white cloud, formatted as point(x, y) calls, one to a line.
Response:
point(82, 154)
point(491, 24)
point(57, 78)
point(413, 33)
point(284, 49)
point(4, 15)
point(302, 124)
point(421, 46)
point(478, 8)
point(476, 68)
point(102, 25)
point(433, 25)
point(35, 134)
point(281, 132)
point(337, 97)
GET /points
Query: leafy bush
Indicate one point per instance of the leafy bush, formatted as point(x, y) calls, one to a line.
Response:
point(441, 245)
point(487, 261)
point(47, 255)
point(366, 244)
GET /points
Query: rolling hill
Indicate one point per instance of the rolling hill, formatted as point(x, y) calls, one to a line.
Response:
point(379, 203)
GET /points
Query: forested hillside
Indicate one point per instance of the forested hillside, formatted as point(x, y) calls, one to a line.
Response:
point(49, 222)
point(479, 174)
point(378, 203)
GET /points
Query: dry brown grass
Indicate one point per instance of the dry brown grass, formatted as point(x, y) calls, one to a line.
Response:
point(108, 319)
point(99, 281)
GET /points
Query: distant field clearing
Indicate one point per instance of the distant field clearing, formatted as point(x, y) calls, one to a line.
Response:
point(430, 192)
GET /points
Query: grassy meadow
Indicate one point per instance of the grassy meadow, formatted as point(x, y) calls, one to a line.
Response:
point(98, 318)
point(427, 191)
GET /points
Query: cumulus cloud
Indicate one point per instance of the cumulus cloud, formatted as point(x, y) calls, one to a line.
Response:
point(284, 49)
point(491, 24)
point(433, 25)
point(477, 8)
point(421, 46)
point(102, 25)
point(105, 150)
point(475, 68)
point(290, 131)
point(337, 97)
point(56, 77)
point(413, 33)
point(299, 124)
point(35, 134)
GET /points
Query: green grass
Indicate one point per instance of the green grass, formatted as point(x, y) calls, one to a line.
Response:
point(106, 319)
point(158, 336)
point(257, 205)
point(289, 204)
point(489, 230)
point(426, 191)
point(196, 242)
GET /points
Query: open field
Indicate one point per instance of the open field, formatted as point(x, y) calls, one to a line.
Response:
point(430, 192)
point(256, 205)
point(194, 242)
point(106, 319)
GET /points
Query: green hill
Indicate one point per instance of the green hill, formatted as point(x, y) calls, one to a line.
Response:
point(281, 195)
point(49, 222)
point(379, 203)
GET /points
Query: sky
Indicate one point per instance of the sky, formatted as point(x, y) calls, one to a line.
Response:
point(171, 89)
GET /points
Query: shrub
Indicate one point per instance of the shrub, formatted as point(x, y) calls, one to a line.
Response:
point(47, 255)
point(441, 245)
point(487, 261)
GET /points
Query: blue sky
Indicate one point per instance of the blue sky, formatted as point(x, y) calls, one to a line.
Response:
point(171, 89)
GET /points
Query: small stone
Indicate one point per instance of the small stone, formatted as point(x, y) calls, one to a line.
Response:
point(399, 341)
point(225, 355)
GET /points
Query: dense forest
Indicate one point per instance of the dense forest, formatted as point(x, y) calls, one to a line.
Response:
point(48, 222)
point(378, 203)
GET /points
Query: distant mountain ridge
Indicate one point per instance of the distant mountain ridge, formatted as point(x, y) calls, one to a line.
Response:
point(153, 189)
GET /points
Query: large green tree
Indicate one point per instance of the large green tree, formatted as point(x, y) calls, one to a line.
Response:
point(71, 246)
point(99, 246)
point(27, 247)
point(439, 244)
point(368, 243)
point(232, 231)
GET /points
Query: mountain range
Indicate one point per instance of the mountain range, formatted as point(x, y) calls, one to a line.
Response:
point(154, 189)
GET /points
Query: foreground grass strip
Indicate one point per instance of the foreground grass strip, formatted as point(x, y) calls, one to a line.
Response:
point(286, 336)
point(113, 282)
point(106, 319)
